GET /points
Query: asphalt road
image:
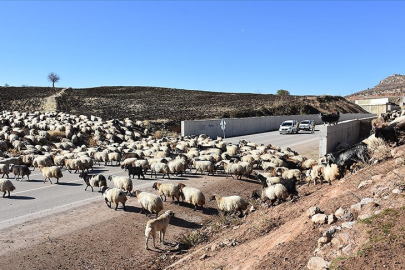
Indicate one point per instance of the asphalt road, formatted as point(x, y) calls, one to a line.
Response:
point(34, 199)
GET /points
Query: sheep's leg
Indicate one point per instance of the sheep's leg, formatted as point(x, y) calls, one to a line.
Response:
point(116, 204)
point(91, 189)
point(106, 202)
point(124, 206)
point(4, 195)
point(168, 175)
point(146, 242)
point(50, 180)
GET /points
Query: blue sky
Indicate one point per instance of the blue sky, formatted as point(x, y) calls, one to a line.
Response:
point(305, 47)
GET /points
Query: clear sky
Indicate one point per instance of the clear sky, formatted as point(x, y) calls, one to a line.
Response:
point(305, 47)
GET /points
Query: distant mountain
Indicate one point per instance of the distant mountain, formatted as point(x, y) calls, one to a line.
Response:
point(391, 86)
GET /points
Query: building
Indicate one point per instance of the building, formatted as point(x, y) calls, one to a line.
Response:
point(381, 105)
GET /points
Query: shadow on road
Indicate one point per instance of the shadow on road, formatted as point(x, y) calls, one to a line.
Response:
point(179, 222)
point(22, 198)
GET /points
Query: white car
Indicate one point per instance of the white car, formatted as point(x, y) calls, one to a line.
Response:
point(308, 125)
point(289, 126)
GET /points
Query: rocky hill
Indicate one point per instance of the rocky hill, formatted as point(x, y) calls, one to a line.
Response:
point(391, 86)
point(167, 105)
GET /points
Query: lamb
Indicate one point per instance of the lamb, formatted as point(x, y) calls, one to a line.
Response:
point(6, 186)
point(273, 193)
point(51, 172)
point(114, 195)
point(152, 203)
point(134, 171)
point(317, 172)
point(192, 195)
point(230, 204)
point(122, 182)
point(160, 225)
point(20, 170)
point(4, 170)
point(169, 190)
point(159, 167)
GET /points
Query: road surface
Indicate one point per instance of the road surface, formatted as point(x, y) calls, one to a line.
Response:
point(34, 199)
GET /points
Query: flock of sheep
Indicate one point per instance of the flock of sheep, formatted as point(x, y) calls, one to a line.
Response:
point(54, 141)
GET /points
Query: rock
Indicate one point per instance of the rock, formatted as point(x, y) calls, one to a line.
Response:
point(347, 250)
point(364, 216)
point(375, 178)
point(336, 242)
point(203, 257)
point(343, 238)
point(366, 201)
point(214, 247)
point(364, 183)
point(339, 212)
point(331, 231)
point(331, 219)
point(356, 207)
point(323, 240)
point(252, 209)
point(312, 211)
point(396, 191)
point(319, 218)
point(317, 263)
point(347, 216)
point(348, 225)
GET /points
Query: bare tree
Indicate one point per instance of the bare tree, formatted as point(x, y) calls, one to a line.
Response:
point(53, 77)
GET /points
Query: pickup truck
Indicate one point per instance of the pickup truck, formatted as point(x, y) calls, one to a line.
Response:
point(289, 126)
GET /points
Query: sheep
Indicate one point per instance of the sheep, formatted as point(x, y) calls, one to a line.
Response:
point(4, 170)
point(230, 204)
point(114, 156)
point(51, 172)
point(101, 157)
point(98, 180)
point(12, 160)
point(317, 172)
point(74, 164)
point(204, 165)
point(160, 225)
point(6, 186)
point(234, 169)
point(87, 163)
point(20, 170)
point(178, 166)
point(114, 195)
point(159, 167)
point(169, 190)
point(290, 173)
point(192, 195)
point(135, 171)
point(331, 172)
point(347, 158)
point(150, 202)
point(45, 161)
point(273, 193)
point(267, 179)
point(122, 182)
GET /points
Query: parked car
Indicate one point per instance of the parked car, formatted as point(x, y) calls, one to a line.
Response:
point(307, 125)
point(289, 126)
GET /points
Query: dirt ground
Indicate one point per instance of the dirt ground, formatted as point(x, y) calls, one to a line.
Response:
point(279, 237)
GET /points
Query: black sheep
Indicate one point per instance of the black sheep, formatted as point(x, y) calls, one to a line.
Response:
point(346, 158)
point(135, 171)
point(387, 133)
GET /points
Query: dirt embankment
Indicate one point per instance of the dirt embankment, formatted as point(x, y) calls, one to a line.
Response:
point(166, 105)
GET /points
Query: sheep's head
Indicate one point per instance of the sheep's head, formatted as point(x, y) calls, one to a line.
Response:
point(12, 188)
point(170, 213)
point(156, 185)
point(137, 192)
point(213, 197)
point(181, 186)
point(110, 177)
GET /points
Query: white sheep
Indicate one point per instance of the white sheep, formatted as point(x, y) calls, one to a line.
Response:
point(45, 161)
point(101, 157)
point(4, 170)
point(167, 189)
point(230, 204)
point(114, 156)
point(272, 193)
point(233, 169)
point(122, 182)
point(177, 166)
point(192, 195)
point(150, 202)
point(204, 165)
point(289, 173)
point(74, 164)
point(317, 173)
point(6, 186)
point(51, 172)
point(159, 167)
point(331, 172)
point(114, 195)
point(160, 225)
